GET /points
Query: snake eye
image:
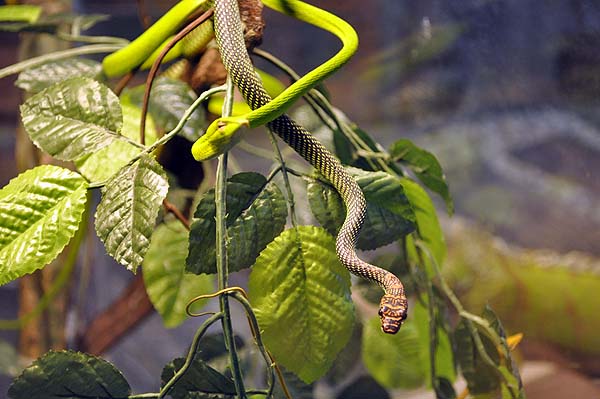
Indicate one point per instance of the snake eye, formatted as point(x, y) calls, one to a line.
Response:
point(380, 312)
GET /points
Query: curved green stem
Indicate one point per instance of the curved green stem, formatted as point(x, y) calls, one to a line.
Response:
point(58, 55)
point(59, 282)
point(191, 354)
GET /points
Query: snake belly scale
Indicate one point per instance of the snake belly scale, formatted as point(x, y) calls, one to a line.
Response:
point(229, 34)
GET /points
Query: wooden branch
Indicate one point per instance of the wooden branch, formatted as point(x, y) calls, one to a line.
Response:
point(119, 319)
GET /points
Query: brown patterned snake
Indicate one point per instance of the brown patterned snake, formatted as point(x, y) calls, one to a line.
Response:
point(222, 133)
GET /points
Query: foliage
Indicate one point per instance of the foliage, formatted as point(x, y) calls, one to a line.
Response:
point(299, 303)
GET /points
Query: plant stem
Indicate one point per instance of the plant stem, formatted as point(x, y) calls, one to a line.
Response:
point(58, 55)
point(221, 250)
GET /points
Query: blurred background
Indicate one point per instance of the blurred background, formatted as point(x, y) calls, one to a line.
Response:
point(506, 93)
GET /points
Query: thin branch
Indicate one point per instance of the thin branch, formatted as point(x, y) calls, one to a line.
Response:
point(170, 207)
point(124, 81)
point(191, 354)
point(154, 70)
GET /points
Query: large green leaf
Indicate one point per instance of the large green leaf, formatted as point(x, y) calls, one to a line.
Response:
point(381, 226)
point(107, 161)
point(301, 296)
point(481, 377)
point(167, 284)
point(385, 190)
point(425, 166)
point(40, 211)
point(69, 375)
point(395, 361)
point(73, 118)
point(507, 365)
point(40, 77)
point(256, 214)
point(200, 379)
point(428, 224)
point(169, 100)
point(126, 214)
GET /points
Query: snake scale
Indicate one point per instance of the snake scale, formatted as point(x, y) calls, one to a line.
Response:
point(230, 40)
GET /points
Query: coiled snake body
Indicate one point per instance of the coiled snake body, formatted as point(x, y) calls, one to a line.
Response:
point(229, 34)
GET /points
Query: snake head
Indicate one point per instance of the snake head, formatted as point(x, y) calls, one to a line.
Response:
point(221, 136)
point(392, 311)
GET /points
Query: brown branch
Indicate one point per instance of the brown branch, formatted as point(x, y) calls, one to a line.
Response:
point(154, 70)
point(170, 207)
point(124, 81)
point(118, 319)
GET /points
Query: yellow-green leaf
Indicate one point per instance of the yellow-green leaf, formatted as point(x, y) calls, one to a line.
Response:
point(40, 211)
point(167, 284)
point(301, 296)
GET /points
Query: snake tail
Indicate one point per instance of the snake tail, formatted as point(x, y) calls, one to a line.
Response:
point(228, 30)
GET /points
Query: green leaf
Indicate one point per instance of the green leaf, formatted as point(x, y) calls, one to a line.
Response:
point(126, 214)
point(26, 13)
point(73, 118)
point(481, 377)
point(428, 224)
point(107, 161)
point(395, 361)
point(508, 366)
point(382, 225)
point(40, 211)
point(256, 214)
point(69, 375)
point(38, 78)
point(301, 296)
point(386, 191)
point(167, 284)
point(425, 166)
point(199, 379)
point(347, 152)
point(169, 100)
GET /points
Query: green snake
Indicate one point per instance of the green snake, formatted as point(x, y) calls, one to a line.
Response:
point(224, 133)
